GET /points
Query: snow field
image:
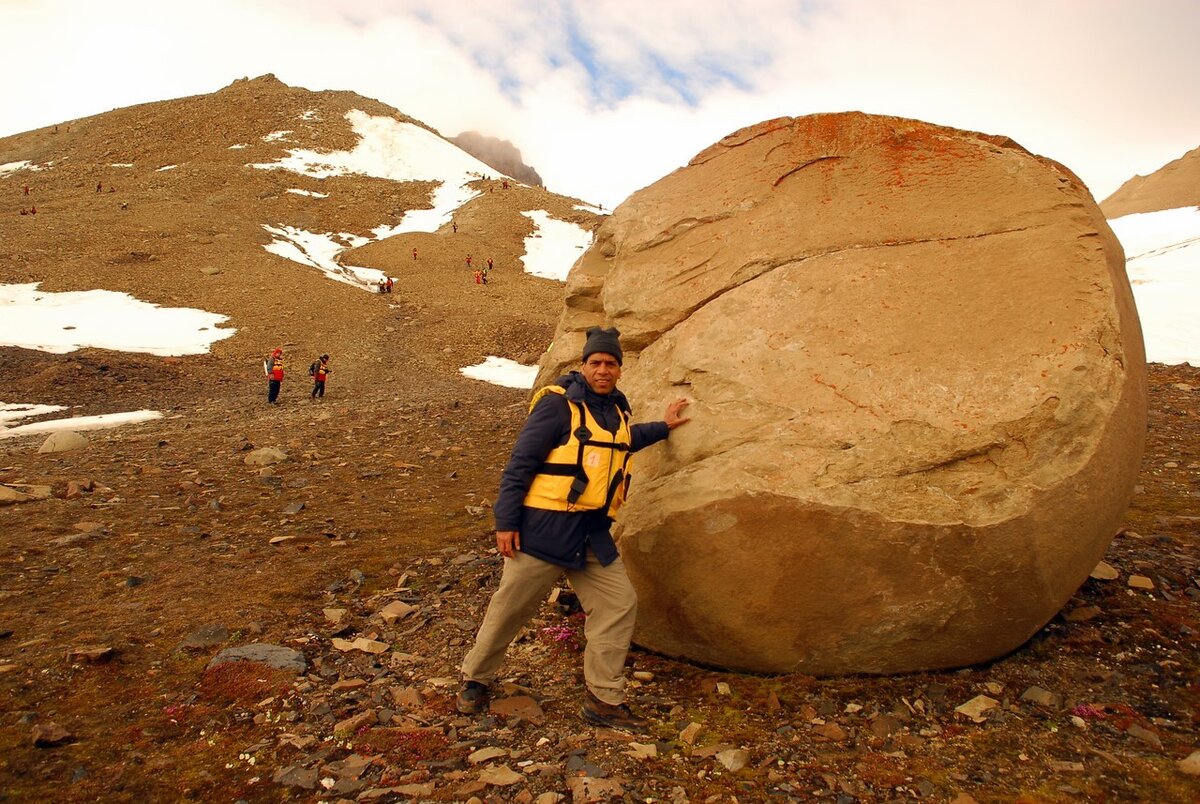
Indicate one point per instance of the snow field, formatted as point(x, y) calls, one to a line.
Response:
point(63, 322)
point(1162, 259)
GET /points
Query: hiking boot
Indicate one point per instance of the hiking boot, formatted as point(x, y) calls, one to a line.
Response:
point(609, 716)
point(472, 698)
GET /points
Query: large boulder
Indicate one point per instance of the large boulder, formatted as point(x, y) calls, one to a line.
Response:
point(918, 394)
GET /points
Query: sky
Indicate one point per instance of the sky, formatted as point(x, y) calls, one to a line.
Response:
point(606, 96)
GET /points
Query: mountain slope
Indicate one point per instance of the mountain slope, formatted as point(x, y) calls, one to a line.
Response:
point(180, 193)
point(1174, 185)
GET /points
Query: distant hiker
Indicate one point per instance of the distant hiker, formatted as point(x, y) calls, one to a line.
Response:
point(382, 286)
point(478, 274)
point(24, 211)
point(319, 370)
point(99, 186)
point(484, 273)
point(468, 260)
point(389, 284)
point(33, 209)
point(273, 368)
point(489, 263)
point(453, 225)
point(505, 185)
point(26, 189)
point(414, 255)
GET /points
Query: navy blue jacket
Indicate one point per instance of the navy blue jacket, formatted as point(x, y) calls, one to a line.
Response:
point(562, 537)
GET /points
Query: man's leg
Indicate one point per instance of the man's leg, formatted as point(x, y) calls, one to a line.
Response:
point(610, 602)
point(524, 585)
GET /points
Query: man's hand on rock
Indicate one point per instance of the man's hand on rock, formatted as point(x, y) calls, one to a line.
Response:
point(673, 419)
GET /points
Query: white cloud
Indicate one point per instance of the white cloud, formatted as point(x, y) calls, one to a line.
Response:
point(1104, 87)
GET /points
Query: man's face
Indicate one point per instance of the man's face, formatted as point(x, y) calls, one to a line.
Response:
point(601, 372)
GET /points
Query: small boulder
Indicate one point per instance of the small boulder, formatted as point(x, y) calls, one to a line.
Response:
point(8, 496)
point(63, 441)
point(265, 456)
point(48, 735)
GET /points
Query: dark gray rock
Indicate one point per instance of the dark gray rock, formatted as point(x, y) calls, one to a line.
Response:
point(207, 637)
point(272, 655)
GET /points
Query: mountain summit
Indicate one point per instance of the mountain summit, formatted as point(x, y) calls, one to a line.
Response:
point(499, 154)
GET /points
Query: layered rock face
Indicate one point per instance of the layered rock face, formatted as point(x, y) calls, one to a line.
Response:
point(918, 392)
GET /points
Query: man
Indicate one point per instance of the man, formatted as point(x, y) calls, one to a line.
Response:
point(319, 370)
point(566, 478)
point(273, 366)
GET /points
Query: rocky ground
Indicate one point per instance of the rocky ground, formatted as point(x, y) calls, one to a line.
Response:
point(367, 555)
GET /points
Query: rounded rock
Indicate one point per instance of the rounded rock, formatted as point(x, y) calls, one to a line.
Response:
point(918, 394)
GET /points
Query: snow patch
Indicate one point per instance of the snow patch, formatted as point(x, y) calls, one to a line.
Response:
point(13, 167)
point(446, 200)
point(239, 146)
point(309, 114)
point(122, 164)
point(63, 322)
point(276, 136)
point(1162, 259)
point(320, 251)
point(502, 371)
point(100, 422)
point(10, 412)
point(309, 193)
point(554, 246)
point(387, 149)
point(166, 167)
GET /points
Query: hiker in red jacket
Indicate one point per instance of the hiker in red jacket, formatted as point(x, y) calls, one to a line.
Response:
point(273, 366)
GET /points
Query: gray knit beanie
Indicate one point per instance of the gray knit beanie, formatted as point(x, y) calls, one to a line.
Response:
point(603, 340)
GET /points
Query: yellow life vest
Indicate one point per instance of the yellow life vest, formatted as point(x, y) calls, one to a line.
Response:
point(590, 471)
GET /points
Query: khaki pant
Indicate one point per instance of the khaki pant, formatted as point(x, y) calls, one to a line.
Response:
point(607, 597)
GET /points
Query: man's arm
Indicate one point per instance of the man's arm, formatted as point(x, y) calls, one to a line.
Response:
point(643, 435)
point(543, 431)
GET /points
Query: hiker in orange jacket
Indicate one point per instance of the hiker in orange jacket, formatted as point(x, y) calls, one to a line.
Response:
point(319, 371)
